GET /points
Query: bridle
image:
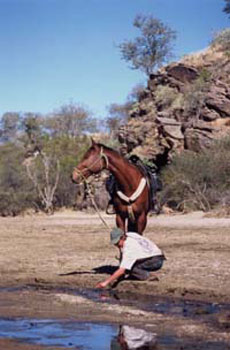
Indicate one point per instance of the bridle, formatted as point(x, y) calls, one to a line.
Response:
point(101, 156)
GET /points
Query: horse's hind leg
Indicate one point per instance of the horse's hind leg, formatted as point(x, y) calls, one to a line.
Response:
point(141, 223)
point(132, 226)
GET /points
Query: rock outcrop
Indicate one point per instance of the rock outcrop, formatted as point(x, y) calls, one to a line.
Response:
point(186, 105)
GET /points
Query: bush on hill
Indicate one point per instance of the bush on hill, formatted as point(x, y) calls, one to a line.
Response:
point(222, 40)
point(199, 181)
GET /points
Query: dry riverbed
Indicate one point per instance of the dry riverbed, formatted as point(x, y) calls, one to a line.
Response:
point(49, 266)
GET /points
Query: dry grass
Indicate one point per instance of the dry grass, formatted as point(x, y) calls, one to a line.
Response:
point(206, 57)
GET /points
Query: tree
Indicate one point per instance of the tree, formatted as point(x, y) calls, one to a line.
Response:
point(10, 123)
point(136, 93)
point(68, 151)
point(32, 131)
point(152, 48)
point(70, 120)
point(16, 192)
point(44, 172)
point(118, 115)
point(227, 7)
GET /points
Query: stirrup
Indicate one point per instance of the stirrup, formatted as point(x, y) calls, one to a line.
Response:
point(110, 209)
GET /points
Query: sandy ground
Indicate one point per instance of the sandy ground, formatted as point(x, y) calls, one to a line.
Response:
point(71, 250)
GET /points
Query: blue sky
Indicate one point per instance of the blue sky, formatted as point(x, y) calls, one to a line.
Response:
point(54, 52)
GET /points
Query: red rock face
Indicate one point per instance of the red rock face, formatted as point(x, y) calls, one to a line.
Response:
point(180, 109)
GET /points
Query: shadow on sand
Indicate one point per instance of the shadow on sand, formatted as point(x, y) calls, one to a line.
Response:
point(105, 269)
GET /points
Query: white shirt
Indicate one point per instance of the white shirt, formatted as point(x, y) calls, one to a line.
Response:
point(137, 247)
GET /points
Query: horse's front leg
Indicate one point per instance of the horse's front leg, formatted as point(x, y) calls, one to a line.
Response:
point(120, 222)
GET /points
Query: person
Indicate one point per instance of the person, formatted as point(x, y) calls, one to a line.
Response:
point(149, 170)
point(140, 257)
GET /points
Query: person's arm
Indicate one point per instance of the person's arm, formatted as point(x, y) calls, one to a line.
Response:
point(118, 273)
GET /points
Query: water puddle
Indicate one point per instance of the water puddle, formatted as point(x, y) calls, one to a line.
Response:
point(76, 335)
point(90, 336)
point(72, 334)
point(61, 333)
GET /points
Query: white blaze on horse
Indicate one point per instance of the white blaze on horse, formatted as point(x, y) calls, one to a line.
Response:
point(131, 200)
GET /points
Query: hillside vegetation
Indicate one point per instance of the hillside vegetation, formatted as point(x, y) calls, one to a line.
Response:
point(182, 124)
point(180, 121)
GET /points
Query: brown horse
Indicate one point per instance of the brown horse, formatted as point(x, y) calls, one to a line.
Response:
point(131, 201)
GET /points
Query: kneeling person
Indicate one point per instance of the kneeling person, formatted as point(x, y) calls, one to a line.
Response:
point(140, 256)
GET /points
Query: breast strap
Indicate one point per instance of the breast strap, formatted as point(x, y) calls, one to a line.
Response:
point(135, 195)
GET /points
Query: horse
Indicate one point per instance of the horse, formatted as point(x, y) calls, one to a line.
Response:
point(131, 201)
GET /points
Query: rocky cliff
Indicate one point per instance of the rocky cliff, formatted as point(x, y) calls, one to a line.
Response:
point(184, 106)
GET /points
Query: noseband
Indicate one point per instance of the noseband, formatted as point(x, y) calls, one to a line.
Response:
point(102, 156)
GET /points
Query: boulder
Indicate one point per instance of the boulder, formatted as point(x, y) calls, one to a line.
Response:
point(182, 73)
point(197, 140)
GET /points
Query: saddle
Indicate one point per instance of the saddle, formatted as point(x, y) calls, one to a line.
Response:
point(154, 183)
point(150, 173)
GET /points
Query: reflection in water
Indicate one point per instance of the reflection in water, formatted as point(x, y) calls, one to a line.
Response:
point(70, 334)
point(130, 338)
point(75, 335)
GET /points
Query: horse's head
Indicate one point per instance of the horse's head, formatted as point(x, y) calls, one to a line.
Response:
point(93, 162)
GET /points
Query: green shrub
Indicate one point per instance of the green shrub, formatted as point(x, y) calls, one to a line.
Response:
point(16, 192)
point(199, 181)
point(205, 75)
point(68, 152)
point(195, 96)
point(165, 95)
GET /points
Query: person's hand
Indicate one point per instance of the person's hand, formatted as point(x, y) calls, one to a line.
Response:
point(101, 284)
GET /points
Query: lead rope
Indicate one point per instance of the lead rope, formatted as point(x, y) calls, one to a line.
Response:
point(88, 187)
point(91, 196)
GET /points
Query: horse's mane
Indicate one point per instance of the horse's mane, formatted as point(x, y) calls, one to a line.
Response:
point(109, 149)
point(116, 153)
